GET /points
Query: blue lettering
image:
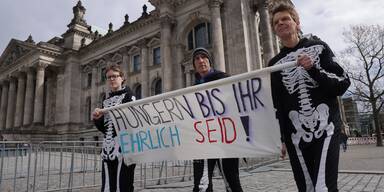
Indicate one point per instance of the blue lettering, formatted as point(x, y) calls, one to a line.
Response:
point(256, 90)
point(150, 140)
point(162, 136)
point(143, 140)
point(124, 142)
point(137, 142)
point(219, 100)
point(174, 135)
point(200, 100)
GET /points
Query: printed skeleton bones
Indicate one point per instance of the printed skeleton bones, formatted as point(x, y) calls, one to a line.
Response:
point(297, 79)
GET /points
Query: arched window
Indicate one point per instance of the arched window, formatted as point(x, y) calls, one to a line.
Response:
point(89, 80)
point(89, 108)
point(137, 91)
point(200, 36)
point(103, 72)
point(157, 87)
point(101, 99)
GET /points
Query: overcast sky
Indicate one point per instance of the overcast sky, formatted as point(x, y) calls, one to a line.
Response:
point(44, 19)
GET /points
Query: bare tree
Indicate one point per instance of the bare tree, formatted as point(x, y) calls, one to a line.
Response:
point(365, 55)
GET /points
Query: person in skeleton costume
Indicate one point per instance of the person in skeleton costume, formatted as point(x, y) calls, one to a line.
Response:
point(203, 168)
point(116, 176)
point(305, 99)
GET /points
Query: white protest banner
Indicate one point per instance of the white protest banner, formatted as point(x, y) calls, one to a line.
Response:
point(231, 117)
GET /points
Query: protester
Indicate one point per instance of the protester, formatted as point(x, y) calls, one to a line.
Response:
point(343, 140)
point(116, 176)
point(203, 169)
point(306, 105)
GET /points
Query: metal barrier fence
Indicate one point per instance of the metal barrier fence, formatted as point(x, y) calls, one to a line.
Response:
point(361, 140)
point(76, 166)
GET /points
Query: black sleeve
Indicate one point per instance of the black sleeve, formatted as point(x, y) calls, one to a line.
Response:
point(217, 75)
point(99, 123)
point(223, 75)
point(128, 96)
point(330, 76)
point(277, 98)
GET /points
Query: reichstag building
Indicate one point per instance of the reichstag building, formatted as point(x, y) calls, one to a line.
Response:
point(49, 89)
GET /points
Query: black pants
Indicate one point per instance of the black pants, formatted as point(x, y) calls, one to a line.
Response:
point(315, 164)
point(115, 174)
point(203, 170)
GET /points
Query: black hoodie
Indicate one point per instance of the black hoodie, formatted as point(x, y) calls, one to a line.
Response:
point(211, 76)
point(113, 97)
point(299, 94)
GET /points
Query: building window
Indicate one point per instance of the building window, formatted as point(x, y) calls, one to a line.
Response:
point(103, 75)
point(156, 56)
point(157, 87)
point(138, 91)
point(101, 99)
point(89, 80)
point(200, 36)
point(136, 63)
point(89, 108)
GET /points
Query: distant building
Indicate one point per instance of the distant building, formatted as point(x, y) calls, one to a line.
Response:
point(367, 124)
point(352, 115)
point(49, 89)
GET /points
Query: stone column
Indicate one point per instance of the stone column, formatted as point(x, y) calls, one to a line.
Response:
point(166, 62)
point(188, 77)
point(258, 64)
point(20, 100)
point(50, 102)
point(144, 69)
point(4, 104)
point(61, 106)
point(94, 88)
point(29, 97)
point(11, 104)
point(217, 35)
point(276, 44)
point(125, 60)
point(178, 73)
point(266, 32)
point(38, 113)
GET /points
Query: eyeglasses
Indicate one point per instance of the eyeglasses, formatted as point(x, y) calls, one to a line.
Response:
point(113, 77)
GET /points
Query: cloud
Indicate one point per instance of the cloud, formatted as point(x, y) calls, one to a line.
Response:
point(45, 19)
point(329, 18)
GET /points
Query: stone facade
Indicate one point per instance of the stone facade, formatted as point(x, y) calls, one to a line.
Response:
point(49, 89)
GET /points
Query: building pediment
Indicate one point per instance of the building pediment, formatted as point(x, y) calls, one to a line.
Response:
point(15, 50)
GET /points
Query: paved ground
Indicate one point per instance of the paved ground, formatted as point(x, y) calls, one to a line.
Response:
point(361, 169)
point(362, 157)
